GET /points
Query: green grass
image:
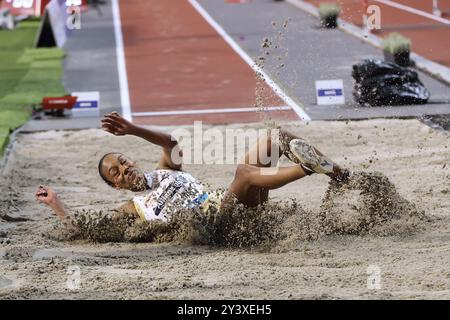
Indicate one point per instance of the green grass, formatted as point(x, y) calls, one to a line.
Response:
point(26, 75)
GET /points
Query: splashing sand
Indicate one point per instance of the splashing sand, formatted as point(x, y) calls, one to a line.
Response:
point(271, 48)
point(367, 204)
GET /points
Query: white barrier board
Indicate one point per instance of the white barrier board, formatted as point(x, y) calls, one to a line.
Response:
point(88, 104)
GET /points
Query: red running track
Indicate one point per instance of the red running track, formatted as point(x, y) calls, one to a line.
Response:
point(430, 38)
point(176, 61)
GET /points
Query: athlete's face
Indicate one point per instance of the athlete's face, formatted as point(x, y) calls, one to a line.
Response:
point(122, 172)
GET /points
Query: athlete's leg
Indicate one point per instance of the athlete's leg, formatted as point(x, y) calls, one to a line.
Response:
point(264, 154)
point(277, 142)
point(252, 181)
point(250, 178)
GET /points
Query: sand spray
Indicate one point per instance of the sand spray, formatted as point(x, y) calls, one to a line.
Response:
point(368, 204)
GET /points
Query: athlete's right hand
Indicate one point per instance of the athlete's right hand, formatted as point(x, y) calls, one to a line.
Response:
point(46, 195)
point(116, 124)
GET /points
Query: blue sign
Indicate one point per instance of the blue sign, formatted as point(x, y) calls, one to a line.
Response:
point(86, 104)
point(330, 92)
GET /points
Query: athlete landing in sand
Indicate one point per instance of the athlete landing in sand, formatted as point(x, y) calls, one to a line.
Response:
point(168, 187)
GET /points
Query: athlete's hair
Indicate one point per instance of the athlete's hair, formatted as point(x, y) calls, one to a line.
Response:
point(100, 165)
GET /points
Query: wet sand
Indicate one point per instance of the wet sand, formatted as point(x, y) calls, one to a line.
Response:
point(413, 263)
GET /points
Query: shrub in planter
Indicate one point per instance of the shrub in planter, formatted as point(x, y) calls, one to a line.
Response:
point(329, 13)
point(397, 49)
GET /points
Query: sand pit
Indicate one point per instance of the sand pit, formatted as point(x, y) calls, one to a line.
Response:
point(305, 248)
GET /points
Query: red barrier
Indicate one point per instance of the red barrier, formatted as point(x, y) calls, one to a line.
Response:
point(58, 103)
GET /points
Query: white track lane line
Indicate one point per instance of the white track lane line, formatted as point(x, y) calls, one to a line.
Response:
point(414, 11)
point(121, 64)
point(275, 87)
point(205, 111)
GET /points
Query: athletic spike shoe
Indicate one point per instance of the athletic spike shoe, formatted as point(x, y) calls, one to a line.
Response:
point(308, 157)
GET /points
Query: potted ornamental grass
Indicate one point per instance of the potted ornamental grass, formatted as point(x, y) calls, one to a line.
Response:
point(329, 13)
point(397, 49)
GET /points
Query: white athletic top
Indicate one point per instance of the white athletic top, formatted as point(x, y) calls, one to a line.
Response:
point(169, 191)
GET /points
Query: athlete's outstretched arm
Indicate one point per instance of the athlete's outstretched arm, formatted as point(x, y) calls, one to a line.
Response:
point(118, 126)
point(49, 197)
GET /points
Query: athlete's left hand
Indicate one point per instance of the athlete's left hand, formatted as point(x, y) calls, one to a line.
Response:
point(46, 195)
point(116, 124)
